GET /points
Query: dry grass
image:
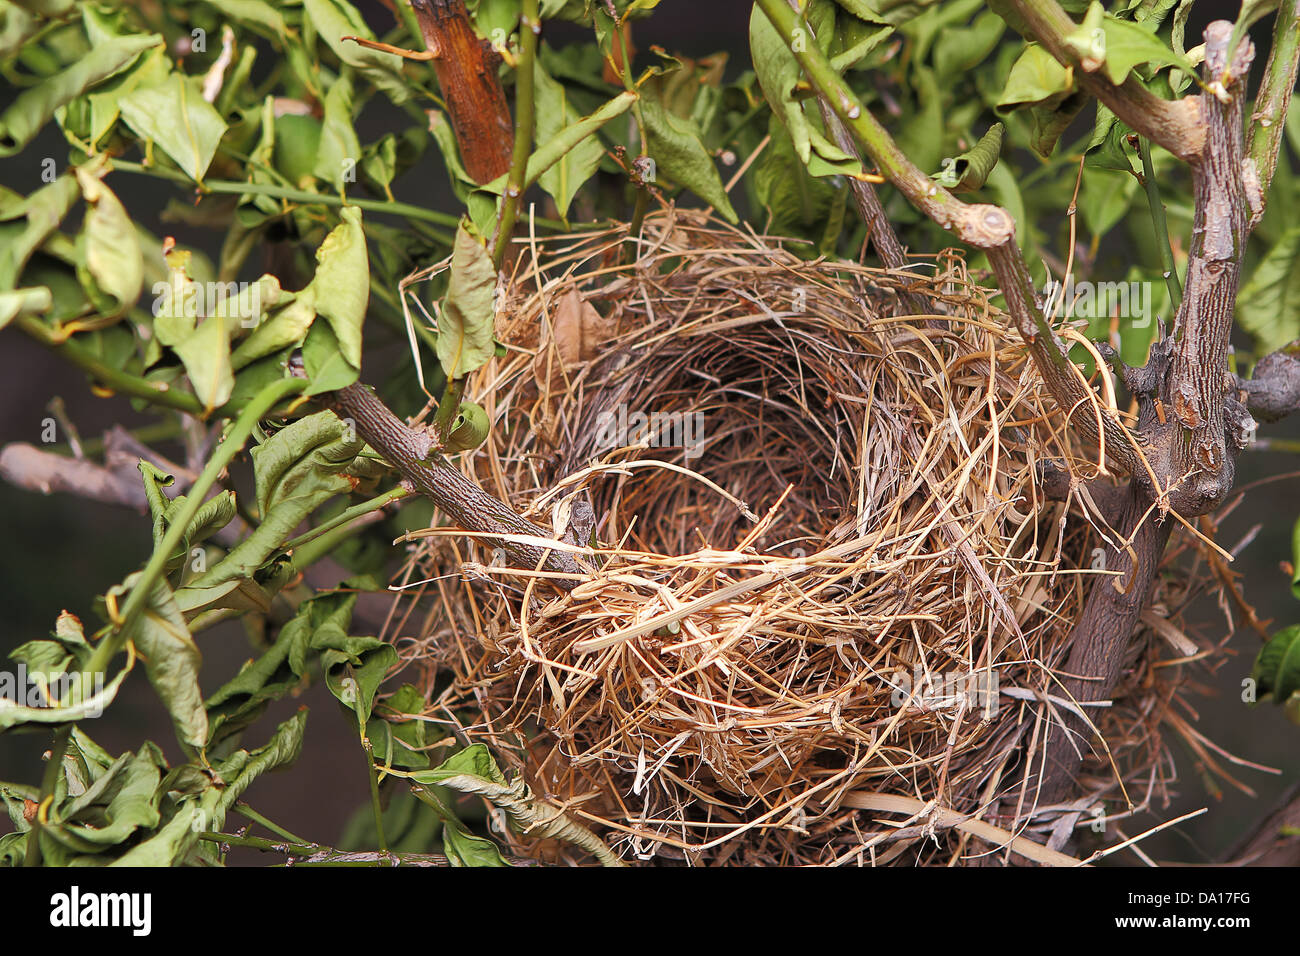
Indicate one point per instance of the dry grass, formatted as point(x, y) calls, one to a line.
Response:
point(822, 613)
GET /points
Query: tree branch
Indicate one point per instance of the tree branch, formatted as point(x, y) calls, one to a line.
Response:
point(1191, 422)
point(410, 451)
point(1273, 390)
point(1174, 124)
point(467, 74)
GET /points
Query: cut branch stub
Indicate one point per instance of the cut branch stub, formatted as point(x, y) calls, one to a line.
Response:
point(467, 73)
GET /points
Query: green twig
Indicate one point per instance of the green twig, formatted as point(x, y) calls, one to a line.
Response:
point(245, 810)
point(295, 195)
point(345, 517)
point(114, 379)
point(318, 854)
point(447, 406)
point(530, 25)
point(1267, 124)
point(49, 780)
point(124, 621)
point(1160, 223)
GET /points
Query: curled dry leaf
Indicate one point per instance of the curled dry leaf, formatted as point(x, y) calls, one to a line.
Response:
point(574, 335)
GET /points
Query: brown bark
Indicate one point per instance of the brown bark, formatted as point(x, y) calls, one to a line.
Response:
point(410, 451)
point(467, 73)
point(1191, 423)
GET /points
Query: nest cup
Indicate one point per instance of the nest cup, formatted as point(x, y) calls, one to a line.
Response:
point(824, 580)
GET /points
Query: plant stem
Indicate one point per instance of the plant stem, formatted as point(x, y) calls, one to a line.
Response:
point(1268, 119)
point(111, 378)
point(49, 780)
point(447, 406)
point(344, 517)
point(1161, 224)
point(295, 195)
point(245, 810)
point(233, 444)
point(530, 25)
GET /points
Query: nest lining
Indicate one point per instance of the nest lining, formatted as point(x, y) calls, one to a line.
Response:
point(823, 571)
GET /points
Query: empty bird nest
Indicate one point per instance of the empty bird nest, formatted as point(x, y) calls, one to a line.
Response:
point(826, 589)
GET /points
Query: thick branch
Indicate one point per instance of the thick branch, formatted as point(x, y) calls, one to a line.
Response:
point(1101, 635)
point(465, 503)
point(1174, 124)
point(1276, 840)
point(1190, 420)
point(1191, 450)
point(467, 73)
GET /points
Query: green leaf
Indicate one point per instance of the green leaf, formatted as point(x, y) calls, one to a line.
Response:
point(1268, 306)
point(1105, 197)
point(971, 169)
point(255, 13)
point(178, 120)
point(797, 201)
point(779, 74)
point(1277, 668)
point(30, 222)
point(339, 150)
point(554, 113)
point(1119, 46)
point(1295, 560)
point(326, 365)
point(287, 326)
point(296, 470)
point(679, 152)
point(1036, 79)
point(335, 19)
point(466, 322)
point(31, 109)
point(205, 353)
point(1108, 148)
point(342, 283)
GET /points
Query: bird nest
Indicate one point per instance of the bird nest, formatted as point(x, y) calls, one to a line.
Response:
point(826, 589)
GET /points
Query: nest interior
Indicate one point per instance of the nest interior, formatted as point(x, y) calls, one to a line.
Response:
point(824, 583)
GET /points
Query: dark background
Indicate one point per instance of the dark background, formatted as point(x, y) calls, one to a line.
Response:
point(60, 551)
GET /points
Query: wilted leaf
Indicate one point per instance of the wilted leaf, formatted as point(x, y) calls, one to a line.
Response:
point(971, 169)
point(179, 121)
point(171, 660)
point(31, 109)
point(466, 323)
